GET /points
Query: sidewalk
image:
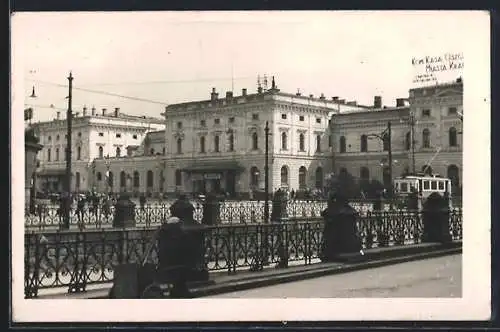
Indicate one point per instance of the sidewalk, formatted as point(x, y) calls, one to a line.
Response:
point(224, 283)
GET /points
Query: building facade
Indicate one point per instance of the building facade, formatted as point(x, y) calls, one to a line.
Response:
point(95, 136)
point(430, 118)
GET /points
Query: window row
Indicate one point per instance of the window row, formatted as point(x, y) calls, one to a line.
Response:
point(79, 135)
point(426, 140)
point(451, 111)
point(217, 141)
point(284, 116)
point(302, 142)
point(58, 152)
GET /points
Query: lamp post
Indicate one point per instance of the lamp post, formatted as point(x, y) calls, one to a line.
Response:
point(69, 119)
point(386, 138)
point(266, 174)
point(107, 163)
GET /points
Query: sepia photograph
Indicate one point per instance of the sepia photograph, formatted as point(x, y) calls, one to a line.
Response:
point(302, 163)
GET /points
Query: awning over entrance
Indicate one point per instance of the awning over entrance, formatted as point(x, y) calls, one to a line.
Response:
point(51, 172)
point(213, 166)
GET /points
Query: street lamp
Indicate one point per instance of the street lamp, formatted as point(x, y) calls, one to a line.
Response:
point(107, 163)
point(69, 119)
point(386, 137)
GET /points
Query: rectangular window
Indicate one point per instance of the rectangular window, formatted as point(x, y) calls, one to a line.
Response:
point(452, 110)
point(318, 120)
point(441, 185)
point(231, 120)
point(283, 116)
point(179, 125)
point(217, 121)
point(404, 187)
point(426, 113)
point(426, 185)
point(101, 134)
point(203, 123)
point(118, 135)
point(433, 185)
point(301, 118)
point(255, 116)
point(134, 136)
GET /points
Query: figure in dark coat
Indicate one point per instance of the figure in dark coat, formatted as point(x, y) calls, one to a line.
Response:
point(183, 209)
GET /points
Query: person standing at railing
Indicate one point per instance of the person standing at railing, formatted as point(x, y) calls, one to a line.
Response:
point(80, 212)
point(183, 209)
point(142, 201)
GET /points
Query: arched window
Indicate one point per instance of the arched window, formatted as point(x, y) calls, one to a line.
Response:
point(454, 176)
point(408, 141)
point(318, 143)
point(302, 143)
point(230, 142)
point(342, 144)
point(78, 152)
point(284, 176)
point(49, 154)
point(149, 179)
point(57, 154)
point(254, 176)
point(364, 143)
point(453, 136)
point(50, 138)
point(118, 151)
point(179, 146)
point(99, 176)
point(101, 152)
point(426, 138)
point(302, 177)
point(137, 180)
point(110, 179)
point(343, 171)
point(178, 177)
point(57, 137)
point(77, 181)
point(123, 179)
point(284, 141)
point(427, 169)
point(255, 141)
point(364, 174)
point(152, 151)
point(319, 178)
point(202, 144)
point(330, 141)
point(164, 151)
point(217, 143)
point(386, 142)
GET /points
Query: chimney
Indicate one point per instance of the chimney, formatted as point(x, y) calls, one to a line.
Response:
point(103, 112)
point(117, 112)
point(259, 89)
point(377, 102)
point(58, 115)
point(84, 110)
point(322, 97)
point(214, 95)
point(335, 98)
point(93, 110)
point(77, 114)
point(229, 94)
point(244, 92)
point(400, 102)
point(311, 96)
point(298, 94)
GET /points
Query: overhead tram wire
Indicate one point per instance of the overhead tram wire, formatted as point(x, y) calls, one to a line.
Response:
point(170, 82)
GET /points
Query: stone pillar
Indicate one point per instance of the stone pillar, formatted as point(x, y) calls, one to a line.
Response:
point(31, 148)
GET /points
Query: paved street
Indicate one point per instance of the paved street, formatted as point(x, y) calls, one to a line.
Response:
point(437, 277)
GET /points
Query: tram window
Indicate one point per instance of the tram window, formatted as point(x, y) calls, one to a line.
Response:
point(404, 187)
point(441, 185)
point(426, 185)
point(433, 185)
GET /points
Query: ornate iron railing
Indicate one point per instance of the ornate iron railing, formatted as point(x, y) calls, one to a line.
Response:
point(75, 259)
point(47, 217)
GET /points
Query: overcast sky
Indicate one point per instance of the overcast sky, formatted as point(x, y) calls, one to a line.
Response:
point(179, 56)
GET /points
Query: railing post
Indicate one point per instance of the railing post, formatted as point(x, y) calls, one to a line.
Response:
point(31, 283)
point(78, 281)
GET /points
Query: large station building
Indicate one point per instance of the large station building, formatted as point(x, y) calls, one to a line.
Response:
point(219, 143)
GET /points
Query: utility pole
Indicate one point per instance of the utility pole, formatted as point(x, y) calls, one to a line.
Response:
point(266, 174)
point(412, 134)
point(69, 119)
point(389, 134)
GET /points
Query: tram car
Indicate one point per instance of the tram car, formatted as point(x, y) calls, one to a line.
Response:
point(423, 185)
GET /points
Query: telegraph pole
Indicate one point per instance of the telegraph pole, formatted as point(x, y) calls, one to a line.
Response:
point(389, 134)
point(266, 174)
point(412, 133)
point(69, 120)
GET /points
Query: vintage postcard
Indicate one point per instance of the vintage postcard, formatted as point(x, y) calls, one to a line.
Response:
point(245, 166)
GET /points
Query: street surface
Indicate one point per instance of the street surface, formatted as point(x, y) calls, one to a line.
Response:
point(436, 277)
